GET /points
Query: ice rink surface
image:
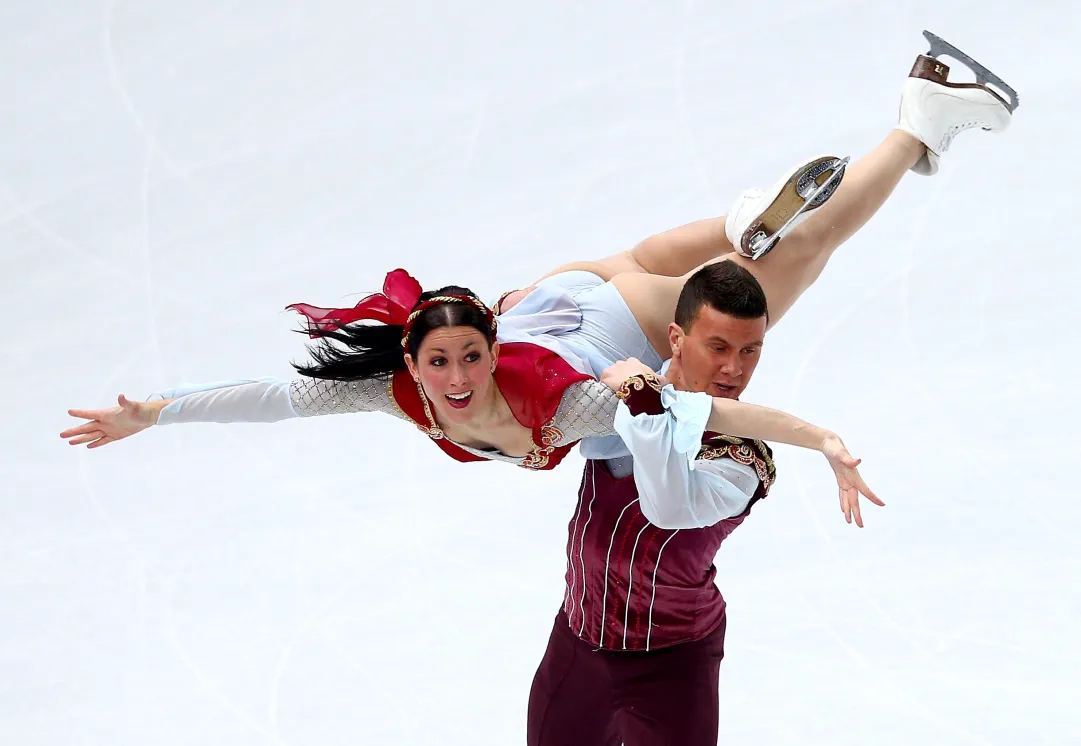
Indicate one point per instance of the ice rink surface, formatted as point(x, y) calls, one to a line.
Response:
point(172, 174)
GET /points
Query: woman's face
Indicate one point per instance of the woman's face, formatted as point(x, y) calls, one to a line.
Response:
point(455, 366)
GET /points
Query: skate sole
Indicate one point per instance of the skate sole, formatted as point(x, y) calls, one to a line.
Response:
point(791, 202)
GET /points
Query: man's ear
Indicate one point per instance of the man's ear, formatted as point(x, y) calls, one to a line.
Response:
point(675, 338)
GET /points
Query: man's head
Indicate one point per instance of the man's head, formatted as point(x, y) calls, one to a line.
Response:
point(721, 320)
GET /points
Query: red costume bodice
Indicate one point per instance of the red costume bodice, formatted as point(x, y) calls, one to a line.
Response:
point(531, 378)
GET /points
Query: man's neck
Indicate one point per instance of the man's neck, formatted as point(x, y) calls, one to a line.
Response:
point(675, 375)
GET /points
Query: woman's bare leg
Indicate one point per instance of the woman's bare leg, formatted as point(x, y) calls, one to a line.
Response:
point(933, 111)
point(672, 253)
point(867, 186)
point(799, 258)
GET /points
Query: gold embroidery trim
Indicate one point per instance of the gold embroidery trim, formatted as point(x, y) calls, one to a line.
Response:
point(465, 300)
point(638, 382)
point(541, 454)
point(744, 454)
point(397, 407)
point(498, 307)
point(434, 432)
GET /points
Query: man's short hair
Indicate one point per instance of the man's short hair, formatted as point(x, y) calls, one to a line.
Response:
point(724, 286)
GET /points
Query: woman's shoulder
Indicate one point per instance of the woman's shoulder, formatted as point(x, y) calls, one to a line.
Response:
point(586, 409)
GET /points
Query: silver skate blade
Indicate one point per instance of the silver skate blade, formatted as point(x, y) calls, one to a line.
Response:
point(762, 245)
point(940, 46)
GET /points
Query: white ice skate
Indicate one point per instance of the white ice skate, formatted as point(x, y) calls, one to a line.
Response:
point(934, 110)
point(758, 220)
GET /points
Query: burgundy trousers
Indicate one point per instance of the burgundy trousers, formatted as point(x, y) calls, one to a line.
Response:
point(587, 697)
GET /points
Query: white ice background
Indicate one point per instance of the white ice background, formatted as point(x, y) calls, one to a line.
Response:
point(173, 173)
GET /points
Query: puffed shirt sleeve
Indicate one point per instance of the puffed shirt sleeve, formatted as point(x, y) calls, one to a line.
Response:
point(676, 489)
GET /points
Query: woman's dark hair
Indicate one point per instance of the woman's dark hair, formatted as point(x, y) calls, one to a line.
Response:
point(375, 350)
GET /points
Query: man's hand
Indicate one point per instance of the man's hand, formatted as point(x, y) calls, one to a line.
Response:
point(850, 484)
point(616, 374)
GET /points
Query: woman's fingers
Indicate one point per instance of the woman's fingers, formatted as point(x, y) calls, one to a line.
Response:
point(86, 427)
point(87, 438)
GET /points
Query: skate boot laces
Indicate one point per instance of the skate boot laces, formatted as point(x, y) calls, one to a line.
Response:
point(956, 129)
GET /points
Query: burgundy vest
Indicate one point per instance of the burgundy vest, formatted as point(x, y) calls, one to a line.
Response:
point(632, 585)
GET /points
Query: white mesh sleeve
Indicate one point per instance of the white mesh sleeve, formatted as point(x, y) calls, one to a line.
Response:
point(587, 409)
point(312, 397)
point(273, 400)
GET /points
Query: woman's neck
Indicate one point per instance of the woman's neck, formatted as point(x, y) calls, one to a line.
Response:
point(491, 416)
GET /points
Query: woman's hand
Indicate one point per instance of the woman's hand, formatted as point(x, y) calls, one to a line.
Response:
point(107, 425)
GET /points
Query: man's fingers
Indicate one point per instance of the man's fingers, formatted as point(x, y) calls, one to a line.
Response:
point(863, 488)
point(854, 498)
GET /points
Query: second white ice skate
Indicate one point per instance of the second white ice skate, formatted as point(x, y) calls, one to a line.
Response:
point(758, 220)
point(934, 110)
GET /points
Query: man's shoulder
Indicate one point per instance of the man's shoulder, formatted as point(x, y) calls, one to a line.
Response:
point(751, 452)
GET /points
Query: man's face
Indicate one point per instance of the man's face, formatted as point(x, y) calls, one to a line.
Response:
point(718, 353)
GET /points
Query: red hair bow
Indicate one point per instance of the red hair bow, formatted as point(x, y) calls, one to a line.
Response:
point(392, 306)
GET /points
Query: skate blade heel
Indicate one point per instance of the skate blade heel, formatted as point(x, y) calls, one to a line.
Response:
point(985, 79)
point(807, 189)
